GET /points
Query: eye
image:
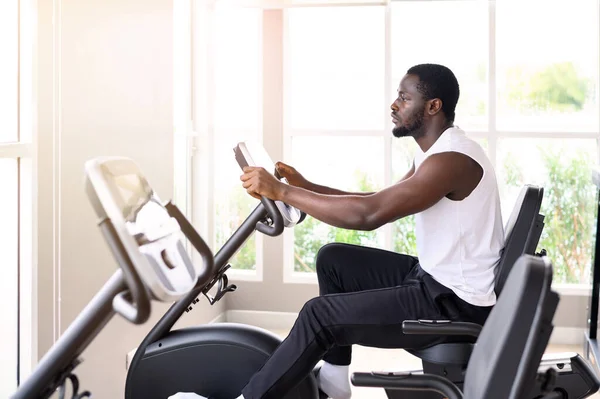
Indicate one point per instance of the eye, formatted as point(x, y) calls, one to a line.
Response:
point(402, 97)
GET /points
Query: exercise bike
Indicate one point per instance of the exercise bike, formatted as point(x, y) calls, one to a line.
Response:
point(214, 360)
point(146, 242)
point(144, 236)
point(195, 359)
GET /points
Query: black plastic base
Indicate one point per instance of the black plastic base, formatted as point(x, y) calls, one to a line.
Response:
point(215, 361)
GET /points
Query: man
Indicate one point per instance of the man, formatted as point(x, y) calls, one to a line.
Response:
point(366, 293)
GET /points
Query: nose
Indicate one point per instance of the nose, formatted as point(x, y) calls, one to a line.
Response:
point(394, 106)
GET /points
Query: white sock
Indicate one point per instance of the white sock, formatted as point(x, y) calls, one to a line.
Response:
point(335, 381)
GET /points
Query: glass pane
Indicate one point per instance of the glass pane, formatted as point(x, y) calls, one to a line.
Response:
point(237, 107)
point(9, 70)
point(335, 68)
point(352, 164)
point(403, 231)
point(547, 67)
point(181, 174)
point(563, 168)
point(331, 2)
point(28, 20)
point(238, 68)
point(181, 101)
point(9, 246)
point(26, 265)
point(232, 203)
point(415, 42)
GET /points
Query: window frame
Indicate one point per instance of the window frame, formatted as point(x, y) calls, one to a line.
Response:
point(492, 134)
point(201, 132)
point(23, 149)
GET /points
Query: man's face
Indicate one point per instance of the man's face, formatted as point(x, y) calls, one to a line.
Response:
point(408, 109)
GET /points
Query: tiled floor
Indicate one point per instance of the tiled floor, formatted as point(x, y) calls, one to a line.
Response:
point(373, 359)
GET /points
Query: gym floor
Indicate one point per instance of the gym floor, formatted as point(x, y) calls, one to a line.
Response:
point(374, 359)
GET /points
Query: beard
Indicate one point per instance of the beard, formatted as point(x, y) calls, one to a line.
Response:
point(414, 129)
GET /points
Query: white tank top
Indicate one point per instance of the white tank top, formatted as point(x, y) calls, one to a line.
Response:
point(459, 242)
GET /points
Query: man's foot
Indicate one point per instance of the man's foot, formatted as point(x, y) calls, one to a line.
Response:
point(334, 381)
point(191, 395)
point(316, 371)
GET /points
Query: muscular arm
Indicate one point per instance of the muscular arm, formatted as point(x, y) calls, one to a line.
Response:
point(317, 188)
point(437, 177)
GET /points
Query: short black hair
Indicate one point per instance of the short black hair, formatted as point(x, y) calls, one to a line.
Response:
point(438, 81)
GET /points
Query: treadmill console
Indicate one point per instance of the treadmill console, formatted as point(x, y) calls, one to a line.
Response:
point(250, 153)
point(150, 237)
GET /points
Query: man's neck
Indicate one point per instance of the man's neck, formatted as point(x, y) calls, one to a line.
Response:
point(432, 134)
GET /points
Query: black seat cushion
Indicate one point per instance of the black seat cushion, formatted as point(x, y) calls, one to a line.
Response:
point(451, 354)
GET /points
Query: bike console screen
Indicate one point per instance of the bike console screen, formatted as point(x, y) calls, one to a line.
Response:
point(250, 153)
point(151, 237)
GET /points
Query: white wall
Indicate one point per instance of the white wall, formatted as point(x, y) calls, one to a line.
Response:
point(104, 87)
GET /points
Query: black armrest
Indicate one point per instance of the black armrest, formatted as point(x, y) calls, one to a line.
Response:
point(408, 382)
point(441, 327)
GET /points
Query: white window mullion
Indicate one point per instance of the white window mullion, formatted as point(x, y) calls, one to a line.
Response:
point(387, 181)
point(286, 4)
point(598, 86)
point(203, 118)
point(545, 135)
point(25, 150)
point(387, 123)
point(346, 133)
point(493, 135)
point(210, 122)
point(27, 273)
point(182, 104)
point(289, 276)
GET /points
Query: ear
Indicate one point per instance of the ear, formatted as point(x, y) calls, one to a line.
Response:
point(434, 107)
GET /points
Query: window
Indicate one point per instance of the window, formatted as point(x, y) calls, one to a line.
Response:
point(16, 193)
point(16, 182)
point(238, 117)
point(9, 200)
point(563, 167)
point(349, 166)
point(9, 71)
point(404, 239)
point(529, 87)
point(441, 42)
point(334, 75)
point(228, 102)
point(511, 97)
point(547, 75)
point(334, 84)
point(9, 211)
point(547, 121)
point(182, 117)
